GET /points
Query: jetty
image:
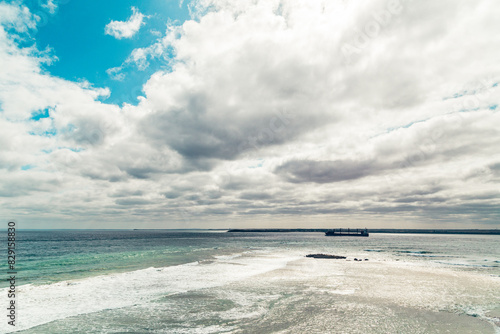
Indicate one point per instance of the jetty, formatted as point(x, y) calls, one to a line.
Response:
point(339, 232)
point(378, 230)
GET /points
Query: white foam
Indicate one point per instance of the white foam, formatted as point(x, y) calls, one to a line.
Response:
point(46, 303)
point(227, 257)
point(343, 292)
point(415, 284)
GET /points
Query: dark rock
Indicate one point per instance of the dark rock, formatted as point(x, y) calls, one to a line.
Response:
point(325, 256)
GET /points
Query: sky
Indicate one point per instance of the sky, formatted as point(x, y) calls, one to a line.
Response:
point(250, 113)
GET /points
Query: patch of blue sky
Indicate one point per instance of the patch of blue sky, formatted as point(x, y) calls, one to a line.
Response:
point(491, 107)
point(472, 92)
point(48, 133)
point(37, 115)
point(455, 96)
point(406, 126)
point(78, 149)
point(27, 167)
point(75, 33)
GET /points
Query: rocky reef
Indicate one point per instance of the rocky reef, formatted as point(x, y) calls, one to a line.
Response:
point(325, 256)
point(328, 256)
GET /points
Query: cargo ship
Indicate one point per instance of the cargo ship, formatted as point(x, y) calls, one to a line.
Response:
point(343, 232)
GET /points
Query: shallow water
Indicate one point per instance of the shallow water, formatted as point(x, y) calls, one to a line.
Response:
point(205, 282)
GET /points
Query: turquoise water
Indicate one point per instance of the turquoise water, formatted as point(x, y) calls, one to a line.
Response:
point(57, 255)
point(159, 281)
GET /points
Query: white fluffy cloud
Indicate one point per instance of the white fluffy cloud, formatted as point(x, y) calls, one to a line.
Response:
point(272, 82)
point(125, 29)
point(278, 113)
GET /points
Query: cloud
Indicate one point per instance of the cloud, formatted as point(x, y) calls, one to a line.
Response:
point(259, 117)
point(133, 202)
point(51, 6)
point(255, 196)
point(116, 73)
point(125, 29)
point(17, 17)
point(325, 171)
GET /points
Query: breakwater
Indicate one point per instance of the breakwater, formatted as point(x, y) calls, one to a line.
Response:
point(377, 230)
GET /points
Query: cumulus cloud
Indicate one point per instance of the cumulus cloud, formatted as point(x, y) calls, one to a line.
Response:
point(278, 113)
point(125, 29)
point(48, 124)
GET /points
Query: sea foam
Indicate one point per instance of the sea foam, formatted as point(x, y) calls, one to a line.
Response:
point(39, 304)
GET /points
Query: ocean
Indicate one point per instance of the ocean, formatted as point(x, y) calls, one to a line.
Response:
point(207, 281)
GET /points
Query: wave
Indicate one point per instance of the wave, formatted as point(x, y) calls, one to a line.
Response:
point(45, 303)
